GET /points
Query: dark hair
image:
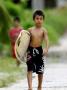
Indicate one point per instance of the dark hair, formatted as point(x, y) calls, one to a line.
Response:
point(17, 19)
point(38, 12)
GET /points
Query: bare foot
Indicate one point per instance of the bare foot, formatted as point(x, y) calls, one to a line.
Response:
point(39, 88)
point(29, 89)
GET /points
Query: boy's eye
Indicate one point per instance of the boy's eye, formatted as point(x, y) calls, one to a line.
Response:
point(37, 18)
point(40, 18)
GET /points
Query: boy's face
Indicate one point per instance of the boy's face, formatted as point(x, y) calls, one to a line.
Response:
point(16, 23)
point(38, 20)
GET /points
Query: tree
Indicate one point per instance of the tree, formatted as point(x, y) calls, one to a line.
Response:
point(5, 22)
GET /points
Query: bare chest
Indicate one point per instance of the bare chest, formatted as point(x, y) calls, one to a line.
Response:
point(37, 34)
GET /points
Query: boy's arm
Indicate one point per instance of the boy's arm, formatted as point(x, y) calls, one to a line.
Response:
point(45, 50)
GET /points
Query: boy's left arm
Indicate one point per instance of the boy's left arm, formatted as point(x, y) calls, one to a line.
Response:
point(45, 50)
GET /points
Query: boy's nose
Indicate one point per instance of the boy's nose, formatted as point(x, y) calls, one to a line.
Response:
point(39, 20)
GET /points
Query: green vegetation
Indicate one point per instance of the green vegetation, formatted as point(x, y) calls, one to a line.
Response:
point(9, 72)
point(56, 23)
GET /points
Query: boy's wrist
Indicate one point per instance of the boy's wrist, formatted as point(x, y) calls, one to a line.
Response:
point(45, 51)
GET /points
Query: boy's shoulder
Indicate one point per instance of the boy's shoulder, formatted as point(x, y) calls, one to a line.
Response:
point(44, 29)
point(32, 28)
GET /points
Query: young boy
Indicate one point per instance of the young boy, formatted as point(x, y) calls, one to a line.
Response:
point(13, 34)
point(35, 52)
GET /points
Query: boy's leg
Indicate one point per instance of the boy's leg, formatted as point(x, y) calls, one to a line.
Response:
point(29, 78)
point(40, 79)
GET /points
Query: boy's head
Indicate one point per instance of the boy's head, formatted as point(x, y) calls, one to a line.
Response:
point(16, 21)
point(38, 17)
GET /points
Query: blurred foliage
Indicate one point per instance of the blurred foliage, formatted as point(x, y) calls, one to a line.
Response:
point(52, 34)
point(10, 72)
point(5, 21)
point(1, 47)
point(21, 3)
point(13, 9)
point(55, 21)
point(57, 18)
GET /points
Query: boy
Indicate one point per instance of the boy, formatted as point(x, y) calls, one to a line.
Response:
point(13, 34)
point(35, 52)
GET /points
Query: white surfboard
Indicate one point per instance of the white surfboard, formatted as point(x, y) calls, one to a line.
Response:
point(21, 45)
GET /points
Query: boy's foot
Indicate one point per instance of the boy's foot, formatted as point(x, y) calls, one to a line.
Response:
point(29, 89)
point(39, 88)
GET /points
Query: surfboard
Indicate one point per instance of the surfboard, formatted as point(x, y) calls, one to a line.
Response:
point(21, 45)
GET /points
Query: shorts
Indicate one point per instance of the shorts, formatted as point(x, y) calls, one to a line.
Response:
point(35, 61)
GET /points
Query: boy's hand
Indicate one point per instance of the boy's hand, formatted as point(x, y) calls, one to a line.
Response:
point(45, 52)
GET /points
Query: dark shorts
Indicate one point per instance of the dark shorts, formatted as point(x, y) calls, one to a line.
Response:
point(35, 60)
